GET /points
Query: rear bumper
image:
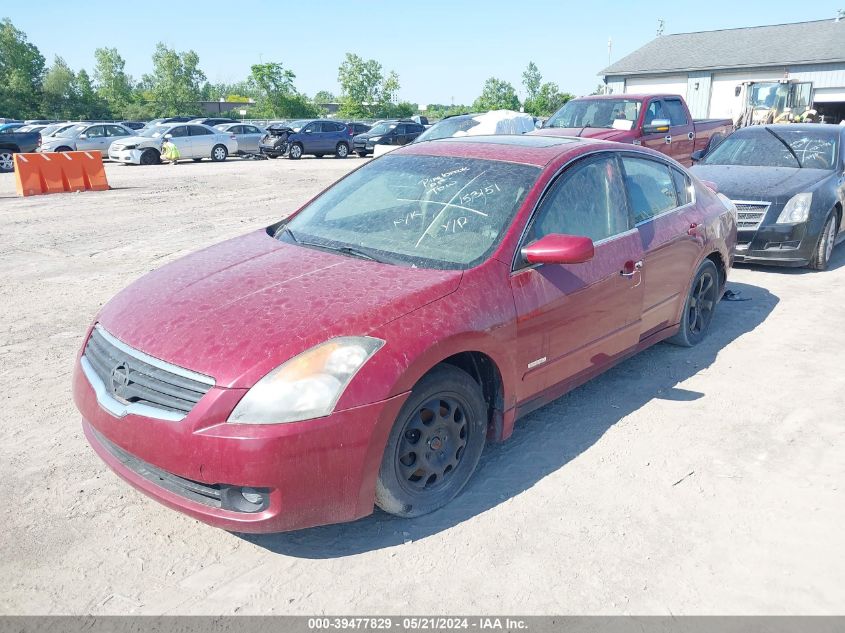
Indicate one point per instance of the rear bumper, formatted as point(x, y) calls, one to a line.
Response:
point(312, 473)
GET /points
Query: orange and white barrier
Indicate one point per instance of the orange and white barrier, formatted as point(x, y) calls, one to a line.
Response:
point(57, 172)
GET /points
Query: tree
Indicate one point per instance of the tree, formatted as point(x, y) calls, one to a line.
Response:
point(60, 98)
point(21, 72)
point(497, 95)
point(89, 103)
point(548, 100)
point(175, 84)
point(531, 79)
point(324, 96)
point(277, 95)
point(112, 83)
point(365, 91)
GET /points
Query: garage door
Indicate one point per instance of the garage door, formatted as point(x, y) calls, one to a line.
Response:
point(668, 84)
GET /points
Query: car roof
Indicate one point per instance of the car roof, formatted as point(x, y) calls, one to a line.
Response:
point(801, 127)
point(634, 96)
point(535, 150)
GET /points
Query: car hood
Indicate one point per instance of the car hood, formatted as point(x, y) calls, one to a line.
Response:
point(600, 133)
point(237, 310)
point(776, 184)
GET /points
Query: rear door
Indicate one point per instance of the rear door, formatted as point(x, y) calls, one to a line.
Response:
point(250, 135)
point(202, 140)
point(573, 320)
point(662, 201)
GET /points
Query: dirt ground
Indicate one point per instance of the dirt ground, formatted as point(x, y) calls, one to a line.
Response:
point(681, 482)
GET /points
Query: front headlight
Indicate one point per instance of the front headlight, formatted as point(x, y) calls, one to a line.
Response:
point(308, 385)
point(133, 146)
point(373, 139)
point(797, 209)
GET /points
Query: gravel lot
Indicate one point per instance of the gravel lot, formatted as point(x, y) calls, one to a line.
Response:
point(682, 481)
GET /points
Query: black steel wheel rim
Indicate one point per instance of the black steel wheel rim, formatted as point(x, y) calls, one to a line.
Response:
point(702, 302)
point(432, 444)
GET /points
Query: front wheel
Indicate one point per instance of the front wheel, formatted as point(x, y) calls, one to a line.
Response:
point(699, 307)
point(824, 249)
point(219, 153)
point(435, 444)
point(341, 151)
point(7, 160)
point(295, 152)
point(150, 157)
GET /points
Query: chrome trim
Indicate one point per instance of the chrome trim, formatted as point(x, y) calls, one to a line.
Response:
point(155, 362)
point(765, 205)
point(119, 409)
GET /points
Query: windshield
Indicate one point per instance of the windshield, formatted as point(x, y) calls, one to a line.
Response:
point(156, 131)
point(71, 131)
point(428, 211)
point(448, 128)
point(766, 147)
point(298, 125)
point(382, 128)
point(620, 114)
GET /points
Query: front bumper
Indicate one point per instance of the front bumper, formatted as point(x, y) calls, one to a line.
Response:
point(126, 155)
point(313, 472)
point(775, 244)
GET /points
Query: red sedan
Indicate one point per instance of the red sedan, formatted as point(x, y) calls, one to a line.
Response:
point(363, 350)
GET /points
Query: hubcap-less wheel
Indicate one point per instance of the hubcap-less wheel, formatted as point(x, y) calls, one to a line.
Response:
point(701, 303)
point(7, 162)
point(830, 240)
point(432, 444)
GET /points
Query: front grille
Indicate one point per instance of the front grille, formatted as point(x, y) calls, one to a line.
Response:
point(749, 215)
point(133, 379)
point(207, 494)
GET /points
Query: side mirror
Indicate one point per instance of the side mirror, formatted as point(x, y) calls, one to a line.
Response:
point(697, 155)
point(559, 249)
point(657, 125)
point(167, 137)
point(83, 136)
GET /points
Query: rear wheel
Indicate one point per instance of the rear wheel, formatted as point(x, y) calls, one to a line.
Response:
point(63, 148)
point(699, 307)
point(341, 151)
point(219, 153)
point(150, 157)
point(435, 444)
point(824, 249)
point(7, 160)
point(295, 152)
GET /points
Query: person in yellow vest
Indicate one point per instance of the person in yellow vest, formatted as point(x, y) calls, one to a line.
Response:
point(169, 150)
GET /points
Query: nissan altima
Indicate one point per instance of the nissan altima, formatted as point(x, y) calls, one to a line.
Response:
point(363, 350)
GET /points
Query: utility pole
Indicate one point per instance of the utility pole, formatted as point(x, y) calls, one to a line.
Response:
point(609, 50)
point(661, 23)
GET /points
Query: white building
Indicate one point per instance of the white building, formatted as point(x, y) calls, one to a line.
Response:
point(708, 68)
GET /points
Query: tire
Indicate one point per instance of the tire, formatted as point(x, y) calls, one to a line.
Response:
point(446, 417)
point(824, 247)
point(699, 306)
point(295, 152)
point(361, 154)
point(7, 160)
point(63, 148)
point(150, 157)
point(272, 156)
point(197, 160)
point(219, 153)
point(341, 151)
point(318, 155)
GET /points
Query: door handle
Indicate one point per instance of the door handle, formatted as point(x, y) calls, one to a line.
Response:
point(668, 138)
point(631, 269)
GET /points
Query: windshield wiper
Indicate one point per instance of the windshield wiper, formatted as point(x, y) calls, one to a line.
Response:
point(346, 250)
point(786, 145)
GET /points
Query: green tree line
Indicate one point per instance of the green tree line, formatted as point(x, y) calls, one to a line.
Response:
point(30, 88)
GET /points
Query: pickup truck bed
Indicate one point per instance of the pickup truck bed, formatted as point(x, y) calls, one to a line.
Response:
point(661, 122)
point(16, 142)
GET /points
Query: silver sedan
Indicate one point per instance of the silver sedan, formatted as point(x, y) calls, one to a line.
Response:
point(247, 134)
point(86, 137)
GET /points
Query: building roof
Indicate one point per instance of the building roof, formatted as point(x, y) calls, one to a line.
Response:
point(822, 41)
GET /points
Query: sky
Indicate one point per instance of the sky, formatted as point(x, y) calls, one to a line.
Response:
point(443, 50)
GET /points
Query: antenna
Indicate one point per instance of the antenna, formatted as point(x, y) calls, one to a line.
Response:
point(609, 50)
point(661, 23)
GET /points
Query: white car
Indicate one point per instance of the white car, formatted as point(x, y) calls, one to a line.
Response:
point(85, 137)
point(191, 139)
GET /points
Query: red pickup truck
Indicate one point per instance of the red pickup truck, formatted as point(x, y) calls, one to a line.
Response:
point(659, 121)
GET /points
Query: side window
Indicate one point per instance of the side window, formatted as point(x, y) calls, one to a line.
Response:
point(651, 188)
point(654, 111)
point(401, 129)
point(588, 200)
point(683, 187)
point(96, 131)
point(238, 129)
point(338, 127)
point(250, 129)
point(675, 109)
point(178, 131)
point(312, 127)
point(197, 130)
point(114, 130)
